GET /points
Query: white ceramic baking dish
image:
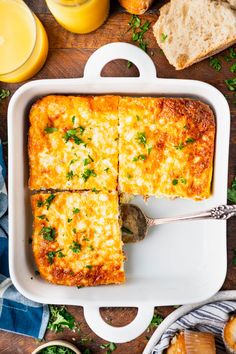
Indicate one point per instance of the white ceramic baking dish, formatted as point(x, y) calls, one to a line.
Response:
point(177, 263)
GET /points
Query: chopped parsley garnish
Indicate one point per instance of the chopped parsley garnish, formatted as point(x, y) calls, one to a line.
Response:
point(88, 160)
point(4, 94)
point(231, 84)
point(232, 53)
point(129, 176)
point(140, 157)
point(59, 319)
point(60, 254)
point(89, 266)
point(138, 32)
point(74, 230)
point(73, 161)
point(174, 182)
point(149, 150)
point(231, 195)
point(85, 239)
point(69, 220)
point(107, 169)
point(137, 117)
point(163, 37)
point(110, 347)
point(180, 146)
point(50, 256)
point(185, 127)
point(71, 134)
point(75, 247)
point(41, 217)
point(50, 130)
point(70, 175)
point(40, 203)
point(141, 137)
point(88, 173)
point(95, 190)
point(126, 230)
point(183, 180)
point(73, 119)
point(91, 248)
point(76, 211)
point(215, 63)
point(233, 68)
point(49, 200)
point(48, 233)
point(190, 141)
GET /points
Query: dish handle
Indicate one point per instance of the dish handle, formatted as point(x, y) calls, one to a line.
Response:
point(118, 334)
point(119, 50)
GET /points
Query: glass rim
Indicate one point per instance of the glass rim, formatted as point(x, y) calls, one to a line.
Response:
point(31, 15)
point(70, 3)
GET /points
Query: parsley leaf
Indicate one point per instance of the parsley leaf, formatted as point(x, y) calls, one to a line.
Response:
point(50, 130)
point(59, 319)
point(49, 200)
point(41, 217)
point(138, 32)
point(140, 157)
point(233, 68)
point(232, 53)
point(232, 192)
point(48, 233)
point(71, 134)
point(70, 175)
point(180, 146)
point(73, 119)
point(107, 169)
point(215, 63)
point(231, 84)
point(52, 254)
point(183, 180)
point(75, 247)
point(141, 137)
point(175, 182)
point(156, 320)
point(69, 220)
point(4, 94)
point(163, 37)
point(110, 347)
point(88, 173)
point(190, 141)
point(76, 211)
point(89, 266)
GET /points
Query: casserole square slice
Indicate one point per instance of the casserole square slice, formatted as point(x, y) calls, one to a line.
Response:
point(73, 143)
point(77, 238)
point(166, 147)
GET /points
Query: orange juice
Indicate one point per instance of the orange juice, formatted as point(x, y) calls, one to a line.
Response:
point(23, 42)
point(79, 16)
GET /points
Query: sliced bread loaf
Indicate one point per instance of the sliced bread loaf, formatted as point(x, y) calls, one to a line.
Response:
point(190, 30)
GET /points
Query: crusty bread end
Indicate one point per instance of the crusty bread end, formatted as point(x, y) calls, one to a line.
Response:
point(189, 31)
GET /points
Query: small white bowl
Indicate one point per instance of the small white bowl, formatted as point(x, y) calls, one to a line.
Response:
point(61, 343)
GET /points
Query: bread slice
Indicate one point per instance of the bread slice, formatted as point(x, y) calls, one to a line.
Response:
point(137, 7)
point(189, 31)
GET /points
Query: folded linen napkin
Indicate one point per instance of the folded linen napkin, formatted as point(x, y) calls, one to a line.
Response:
point(208, 318)
point(17, 314)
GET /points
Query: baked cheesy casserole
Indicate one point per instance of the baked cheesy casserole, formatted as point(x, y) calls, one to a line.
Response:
point(77, 238)
point(166, 147)
point(73, 143)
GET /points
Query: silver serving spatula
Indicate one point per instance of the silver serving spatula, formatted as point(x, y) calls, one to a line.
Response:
point(136, 224)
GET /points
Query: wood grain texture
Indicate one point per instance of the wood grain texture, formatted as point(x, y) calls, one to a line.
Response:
point(67, 56)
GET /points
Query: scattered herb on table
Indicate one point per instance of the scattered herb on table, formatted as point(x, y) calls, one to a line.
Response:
point(56, 349)
point(126, 230)
point(60, 318)
point(232, 192)
point(163, 37)
point(233, 68)
point(234, 257)
point(4, 94)
point(231, 84)
point(215, 63)
point(138, 31)
point(232, 53)
point(110, 347)
point(156, 320)
point(50, 130)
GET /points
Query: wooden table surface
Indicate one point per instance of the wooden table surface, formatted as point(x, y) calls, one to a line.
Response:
point(67, 56)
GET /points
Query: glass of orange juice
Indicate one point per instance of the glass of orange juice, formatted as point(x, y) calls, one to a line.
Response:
point(23, 42)
point(79, 16)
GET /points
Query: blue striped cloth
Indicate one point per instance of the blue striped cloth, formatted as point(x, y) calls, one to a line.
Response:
point(208, 318)
point(17, 314)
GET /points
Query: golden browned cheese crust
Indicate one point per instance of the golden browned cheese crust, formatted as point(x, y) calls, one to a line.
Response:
point(166, 147)
point(77, 239)
point(73, 143)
